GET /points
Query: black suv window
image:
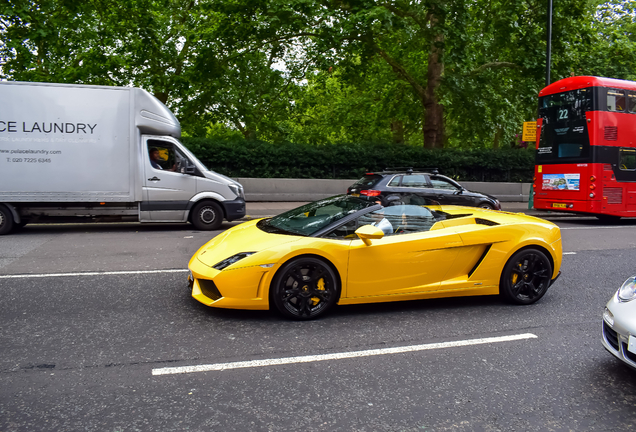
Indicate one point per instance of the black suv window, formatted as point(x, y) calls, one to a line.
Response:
point(414, 180)
point(440, 183)
point(367, 181)
point(395, 181)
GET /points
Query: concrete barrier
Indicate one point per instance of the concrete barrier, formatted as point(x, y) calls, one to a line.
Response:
point(284, 190)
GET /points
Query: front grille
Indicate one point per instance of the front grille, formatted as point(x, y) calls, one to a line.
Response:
point(209, 289)
point(614, 195)
point(610, 336)
point(611, 133)
point(629, 355)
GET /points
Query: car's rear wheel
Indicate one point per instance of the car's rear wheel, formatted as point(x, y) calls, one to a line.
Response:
point(526, 277)
point(305, 288)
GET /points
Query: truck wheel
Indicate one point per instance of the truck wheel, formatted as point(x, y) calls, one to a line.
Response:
point(206, 216)
point(6, 220)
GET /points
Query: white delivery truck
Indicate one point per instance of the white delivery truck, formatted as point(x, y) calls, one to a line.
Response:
point(102, 153)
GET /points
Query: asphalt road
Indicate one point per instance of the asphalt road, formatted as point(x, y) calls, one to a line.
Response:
point(78, 351)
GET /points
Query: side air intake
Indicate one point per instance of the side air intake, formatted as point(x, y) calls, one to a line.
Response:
point(487, 222)
point(481, 258)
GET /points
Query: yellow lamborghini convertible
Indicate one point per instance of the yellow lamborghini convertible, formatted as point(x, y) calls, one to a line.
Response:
point(347, 250)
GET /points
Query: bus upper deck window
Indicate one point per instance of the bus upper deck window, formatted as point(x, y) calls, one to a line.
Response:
point(615, 100)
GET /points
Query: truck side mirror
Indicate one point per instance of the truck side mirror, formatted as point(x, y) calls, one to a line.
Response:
point(190, 168)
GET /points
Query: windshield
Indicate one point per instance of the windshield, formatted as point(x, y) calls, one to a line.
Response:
point(310, 218)
point(564, 132)
point(191, 155)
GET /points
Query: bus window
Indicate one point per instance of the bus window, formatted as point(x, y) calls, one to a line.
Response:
point(570, 150)
point(564, 132)
point(615, 100)
point(631, 101)
point(627, 159)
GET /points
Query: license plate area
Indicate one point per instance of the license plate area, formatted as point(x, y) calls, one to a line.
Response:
point(559, 205)
point(631, 346)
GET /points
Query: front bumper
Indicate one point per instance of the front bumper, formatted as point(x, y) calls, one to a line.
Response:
point(241, 288)
point(234, 209)
point(615, 338)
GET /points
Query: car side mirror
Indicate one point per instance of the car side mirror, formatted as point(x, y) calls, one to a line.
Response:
point(366, 233)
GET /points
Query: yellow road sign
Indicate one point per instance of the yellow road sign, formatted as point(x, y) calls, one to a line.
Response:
point(530, 131)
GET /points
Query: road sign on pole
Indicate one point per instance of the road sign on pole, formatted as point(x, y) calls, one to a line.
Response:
point(529, 131)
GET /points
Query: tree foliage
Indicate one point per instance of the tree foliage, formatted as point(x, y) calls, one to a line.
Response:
point(434, 73)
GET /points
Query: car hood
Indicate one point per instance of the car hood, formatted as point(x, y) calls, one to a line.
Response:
point(245, 237)
point(480, 194)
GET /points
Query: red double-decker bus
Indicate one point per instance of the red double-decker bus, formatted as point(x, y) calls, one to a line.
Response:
point(586, 147)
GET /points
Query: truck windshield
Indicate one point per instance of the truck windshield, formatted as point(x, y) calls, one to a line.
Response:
point(564, 135)
point(191, 156)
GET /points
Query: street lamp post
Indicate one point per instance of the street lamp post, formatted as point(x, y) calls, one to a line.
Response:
point(548, 53)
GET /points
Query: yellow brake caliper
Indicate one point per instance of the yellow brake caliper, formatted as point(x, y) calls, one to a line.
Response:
point(321, 286)
point(515, 276)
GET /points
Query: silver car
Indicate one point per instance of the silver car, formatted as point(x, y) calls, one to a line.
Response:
point(619, 323)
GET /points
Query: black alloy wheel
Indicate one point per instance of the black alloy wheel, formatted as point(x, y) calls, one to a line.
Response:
point(304, 288)
point(525, 277)
point(487, 206)
point(206, 215)
point(6, 220)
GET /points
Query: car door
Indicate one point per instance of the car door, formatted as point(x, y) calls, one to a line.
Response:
point(411, 185)
point(447, 192)
point(409, 260)
point(167, 192)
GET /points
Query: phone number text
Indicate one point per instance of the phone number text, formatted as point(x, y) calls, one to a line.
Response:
point(28, 160)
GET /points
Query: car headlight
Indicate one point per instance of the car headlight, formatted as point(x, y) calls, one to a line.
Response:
point(628, 291)
point(231, 260)
point(608, 316)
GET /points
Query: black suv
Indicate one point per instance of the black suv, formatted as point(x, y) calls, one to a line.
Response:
point(431, 186)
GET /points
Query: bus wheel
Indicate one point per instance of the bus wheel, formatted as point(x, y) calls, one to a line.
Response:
point(609, 219)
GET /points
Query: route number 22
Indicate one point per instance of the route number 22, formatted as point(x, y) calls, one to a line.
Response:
point(563, 114)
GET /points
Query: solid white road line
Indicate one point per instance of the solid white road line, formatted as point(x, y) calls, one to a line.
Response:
point(124, 272)
point(569, 253)
point(336, 356)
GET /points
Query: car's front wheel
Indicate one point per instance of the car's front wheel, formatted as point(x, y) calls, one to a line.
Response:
point(526, 277)
point(305, 288)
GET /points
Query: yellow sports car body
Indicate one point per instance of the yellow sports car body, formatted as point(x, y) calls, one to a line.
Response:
point(347, 250)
